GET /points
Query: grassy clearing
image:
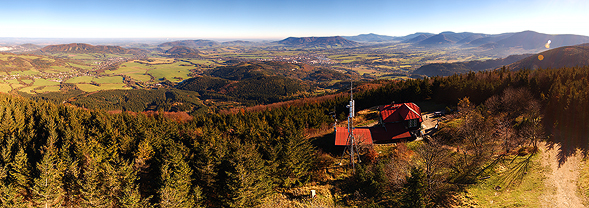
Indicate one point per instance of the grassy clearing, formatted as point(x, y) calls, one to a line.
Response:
point(515, 181)
point(156, 61)
point(27, 81)
point(80, 66)
point(171, 72)
point(44, 82)
point(135, 70)
point(26, 73)
point(28, 89)
point(94, 88)
point(60, 69)
point(109, 80)
point(5, 88)
point(583, 181)
point(54, 88)
point(82, 79)
point(12, 81)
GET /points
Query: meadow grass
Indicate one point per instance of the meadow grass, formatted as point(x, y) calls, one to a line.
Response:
point(54, 88)
point(156, 61)
point(80, 66)
point(583, 181)
point(28, 89)
point(26, 73)
point(5, 88)
point(515, 181)
point(94, 88)
point(135, 70)
point(109, 80)
point(170, 71)
point(86, 79)
point(44, 82)
point(27, 81)
point(60, 69)
point(12, 81)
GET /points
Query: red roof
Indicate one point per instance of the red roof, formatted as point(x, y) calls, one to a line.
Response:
point(400, 112)
point(375, 134)
point(390, 132)
point(361, 135)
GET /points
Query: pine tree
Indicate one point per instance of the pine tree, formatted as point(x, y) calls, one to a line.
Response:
point(49, 188)
point(414, 191)
point(177, 189)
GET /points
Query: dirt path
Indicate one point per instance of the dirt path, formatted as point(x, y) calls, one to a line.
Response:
point(561, 182)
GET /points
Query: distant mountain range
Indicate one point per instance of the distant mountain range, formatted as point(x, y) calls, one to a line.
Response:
point(318, 42)
point(189, 43)
point(370, 38)
point(526, 40)
point(87, 48)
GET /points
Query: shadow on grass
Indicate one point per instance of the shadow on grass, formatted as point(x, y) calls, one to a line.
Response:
point(517, 169)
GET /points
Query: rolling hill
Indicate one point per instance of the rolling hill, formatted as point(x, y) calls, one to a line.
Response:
point(260, 82)
point(526, 41)
point(567, 56)
point(182, 52)
point(447, 69)
point(418, 38)
point(318, 42)
point(534, 40)
point(87, 48)
point(189, 43)
point(447, 38)
point(371, 37)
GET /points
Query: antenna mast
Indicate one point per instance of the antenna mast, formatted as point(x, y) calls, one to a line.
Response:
point(352, 145)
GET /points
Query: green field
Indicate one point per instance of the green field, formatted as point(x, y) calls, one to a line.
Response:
point(26, 73)
point(27, 81)
point(86, 79)
point(94, 88)
point(12, 81)
point(109, 80)
point(5, 88)
point(44, 82)
point(60, 69)
point(54, 88)
point(170, 71)
point(135, 70)
point(513, 182)
point(81, 66)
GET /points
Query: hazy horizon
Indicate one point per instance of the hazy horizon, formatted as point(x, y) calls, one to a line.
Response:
point(264, 19)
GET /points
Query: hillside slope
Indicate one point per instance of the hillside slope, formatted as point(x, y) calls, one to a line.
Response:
point(87, 48)
point(318, 42)
point(189, 43)
point(447, 69)
point(568, 56)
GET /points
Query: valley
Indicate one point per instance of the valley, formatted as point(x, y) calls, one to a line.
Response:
point(188, 121)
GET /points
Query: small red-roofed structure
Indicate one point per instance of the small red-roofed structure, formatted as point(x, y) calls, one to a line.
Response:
point(397, 122)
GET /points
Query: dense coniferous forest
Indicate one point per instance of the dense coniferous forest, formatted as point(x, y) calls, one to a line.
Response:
point(54, 155)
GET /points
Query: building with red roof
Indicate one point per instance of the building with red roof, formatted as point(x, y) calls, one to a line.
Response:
point(396, 122)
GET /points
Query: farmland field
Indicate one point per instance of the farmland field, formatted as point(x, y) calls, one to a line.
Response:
point(109, 80)
point(54, 88)
point(135, 70)
point(94, 88)
point(86, 79)
point(5, 87)
point(170, 71)
point(44, 82)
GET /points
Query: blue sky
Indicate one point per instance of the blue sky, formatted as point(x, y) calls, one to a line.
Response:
point(275, 19)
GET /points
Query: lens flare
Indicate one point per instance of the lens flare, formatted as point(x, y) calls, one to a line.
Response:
point(540, 57)
point(548, 44)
